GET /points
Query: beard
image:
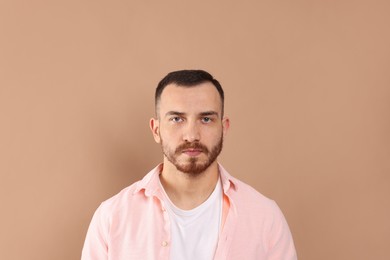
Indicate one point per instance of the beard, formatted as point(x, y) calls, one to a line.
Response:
point(192, 166)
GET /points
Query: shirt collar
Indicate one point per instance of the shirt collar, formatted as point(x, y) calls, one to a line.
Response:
point(227, 180)
point(150, 182)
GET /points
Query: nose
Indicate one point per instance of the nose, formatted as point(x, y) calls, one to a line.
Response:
point(191, 132)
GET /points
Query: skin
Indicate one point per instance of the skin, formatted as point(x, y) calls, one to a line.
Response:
point(187, 117)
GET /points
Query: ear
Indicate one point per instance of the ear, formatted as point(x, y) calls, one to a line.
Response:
point(225, 125)
point(154, 125)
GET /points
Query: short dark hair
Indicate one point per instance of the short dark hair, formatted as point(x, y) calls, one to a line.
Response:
point(188, 78)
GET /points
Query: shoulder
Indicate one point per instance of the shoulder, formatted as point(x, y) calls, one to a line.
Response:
point(119, 201)
point(251, 205)
point(132, 195)
point(261, 218)
point(248, 196)
point(243, 195)
point(256, 211)
point(106, 214)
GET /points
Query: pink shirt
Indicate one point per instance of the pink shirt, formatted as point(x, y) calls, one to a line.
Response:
point(135, 225)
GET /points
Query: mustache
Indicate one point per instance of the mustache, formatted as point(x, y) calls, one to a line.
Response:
point(194, 145)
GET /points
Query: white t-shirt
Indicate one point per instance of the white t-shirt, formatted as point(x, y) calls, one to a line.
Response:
point(195, 232)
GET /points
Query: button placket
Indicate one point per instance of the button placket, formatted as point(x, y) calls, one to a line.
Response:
point(166, 236)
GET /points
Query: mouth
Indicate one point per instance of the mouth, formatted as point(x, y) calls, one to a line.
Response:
point(192, 152)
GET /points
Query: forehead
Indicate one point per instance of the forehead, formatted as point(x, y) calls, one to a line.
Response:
point(194, 99)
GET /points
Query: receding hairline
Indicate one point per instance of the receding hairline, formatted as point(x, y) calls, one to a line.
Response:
point(173, 84)
point(157, 101)
point(188, 79)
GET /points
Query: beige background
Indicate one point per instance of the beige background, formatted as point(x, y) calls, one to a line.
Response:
point(308, 93)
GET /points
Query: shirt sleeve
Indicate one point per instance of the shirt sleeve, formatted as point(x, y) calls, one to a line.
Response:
point(95, 245)
point(281, 244)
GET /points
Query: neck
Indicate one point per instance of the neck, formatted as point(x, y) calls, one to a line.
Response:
point(188, 191)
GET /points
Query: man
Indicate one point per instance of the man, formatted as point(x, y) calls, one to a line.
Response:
point(189, 207)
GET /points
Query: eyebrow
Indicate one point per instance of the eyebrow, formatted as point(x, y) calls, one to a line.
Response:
point(177, 113)
point(174, 113)
point(209, 113)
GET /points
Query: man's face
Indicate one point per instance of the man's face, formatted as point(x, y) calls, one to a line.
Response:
point(189, 126)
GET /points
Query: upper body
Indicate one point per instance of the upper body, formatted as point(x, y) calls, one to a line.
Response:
point(190, 126)
point(135, 224)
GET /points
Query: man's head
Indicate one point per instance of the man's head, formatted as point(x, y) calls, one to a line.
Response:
point(190, 124)
point(187, 79)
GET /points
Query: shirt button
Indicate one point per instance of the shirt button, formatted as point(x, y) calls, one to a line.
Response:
point(164, 243)
point(163, 209)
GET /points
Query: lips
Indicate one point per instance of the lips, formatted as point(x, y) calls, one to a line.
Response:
point(192, 152)
point(191, 149)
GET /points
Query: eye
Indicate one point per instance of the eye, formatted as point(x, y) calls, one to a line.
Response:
point(176, 119)
point(206, 119)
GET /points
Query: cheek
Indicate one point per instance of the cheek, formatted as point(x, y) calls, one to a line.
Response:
point(168, 135)
point(212, 136)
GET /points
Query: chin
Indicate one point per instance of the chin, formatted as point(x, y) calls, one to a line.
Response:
point(193, 168)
